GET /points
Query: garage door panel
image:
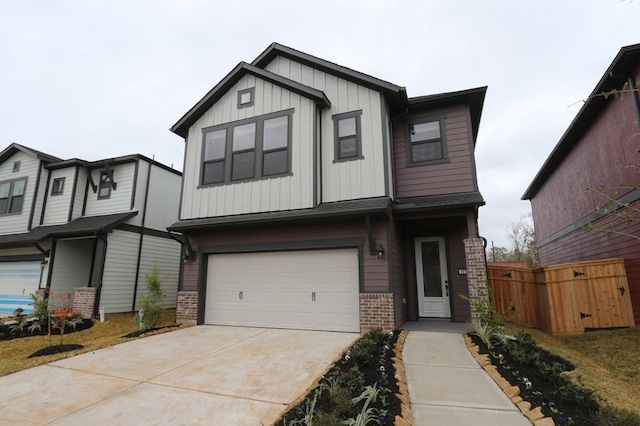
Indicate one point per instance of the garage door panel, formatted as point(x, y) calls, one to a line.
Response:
point(278, 289)
point(18, 280)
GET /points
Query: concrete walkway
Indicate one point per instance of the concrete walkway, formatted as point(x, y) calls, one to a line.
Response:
point(209, 375)
point(446, 385)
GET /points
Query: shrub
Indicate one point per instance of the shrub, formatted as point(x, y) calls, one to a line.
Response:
point(151, 303)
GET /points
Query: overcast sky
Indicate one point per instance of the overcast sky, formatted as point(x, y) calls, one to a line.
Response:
point(99, 79)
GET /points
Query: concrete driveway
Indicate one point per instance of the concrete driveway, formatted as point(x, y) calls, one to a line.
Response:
point(210, 375)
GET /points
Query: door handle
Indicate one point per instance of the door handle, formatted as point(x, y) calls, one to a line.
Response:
point(240, 295)
point(313, 296)
point(446, 287)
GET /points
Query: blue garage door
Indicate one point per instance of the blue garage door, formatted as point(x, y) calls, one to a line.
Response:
point(18, 280)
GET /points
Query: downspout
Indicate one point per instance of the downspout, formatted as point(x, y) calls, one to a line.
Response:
point(144, 216)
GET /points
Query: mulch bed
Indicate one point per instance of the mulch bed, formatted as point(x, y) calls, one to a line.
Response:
point(150, 331)
point(372, 376)
point(56, 349)
point(557, 401)
point(6, 334)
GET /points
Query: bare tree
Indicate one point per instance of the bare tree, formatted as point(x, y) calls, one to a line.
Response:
point(523, 240)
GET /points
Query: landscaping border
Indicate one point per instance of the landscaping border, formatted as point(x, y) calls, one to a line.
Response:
point(406, 415)
point(534, 415)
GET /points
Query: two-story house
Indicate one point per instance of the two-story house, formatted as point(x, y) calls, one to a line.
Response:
point(582, 193)
point(318, 197)
point(97, 226)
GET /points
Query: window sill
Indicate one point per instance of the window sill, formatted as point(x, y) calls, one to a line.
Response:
point(428, 163)
point(342, 160)
point(232, 182)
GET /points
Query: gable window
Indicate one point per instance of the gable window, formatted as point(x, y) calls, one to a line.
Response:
point(245, 97)
point(347, 136)
point(12, 196)
point(426, 142)
point(58, 186)
point(16, 167)
point(105, 185)
point(248, 149)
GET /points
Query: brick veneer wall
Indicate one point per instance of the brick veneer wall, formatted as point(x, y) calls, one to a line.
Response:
point(187, 307)
point(476, 271)
point(376, 310)
point(84, 300)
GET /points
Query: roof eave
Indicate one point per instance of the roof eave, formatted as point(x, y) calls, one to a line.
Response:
point(622, 63)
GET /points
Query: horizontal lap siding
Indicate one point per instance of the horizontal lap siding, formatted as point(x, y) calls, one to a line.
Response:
point(72, 265)
point(399, 282)
point(57, 208)
point(454, 176)
point(80, 186)
point(583, 245)
point(165, 253)
point(28, 169)
point(375, 270)
point(599, 160)
point(120, 199)
point(119, 275)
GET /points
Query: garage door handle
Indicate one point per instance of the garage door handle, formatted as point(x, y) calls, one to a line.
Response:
point(313, 296)
point(240, 295)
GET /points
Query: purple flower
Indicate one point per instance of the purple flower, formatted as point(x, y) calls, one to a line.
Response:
point(383, 381)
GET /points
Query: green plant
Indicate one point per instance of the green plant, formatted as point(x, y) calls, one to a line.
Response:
point(353, 379)
point(367, 415)
point(151, 303)
point(40, 308)
point(362, 352)
point(20, 322)
point(62, 318)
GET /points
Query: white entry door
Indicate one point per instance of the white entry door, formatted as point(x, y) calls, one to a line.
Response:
point(433, 281)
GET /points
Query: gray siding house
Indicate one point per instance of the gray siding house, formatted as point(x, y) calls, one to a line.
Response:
point(318, 197)
point(99, 225)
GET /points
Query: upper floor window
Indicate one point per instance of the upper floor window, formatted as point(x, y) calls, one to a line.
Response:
point(347, 136)
point(426, 142)
point(16, 167)
point(12, 196)
point(105, 185)
point(248, 149)
point(58, 186)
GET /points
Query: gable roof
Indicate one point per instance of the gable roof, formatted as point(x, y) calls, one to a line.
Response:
point(474, 98)
point(396, 95)
point(15, 147)
point(182, 126)
point(616, 75)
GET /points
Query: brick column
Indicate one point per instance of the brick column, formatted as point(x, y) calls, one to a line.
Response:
point(84, 300)
point(376, 311)
point(476, 271)
point(187, 307)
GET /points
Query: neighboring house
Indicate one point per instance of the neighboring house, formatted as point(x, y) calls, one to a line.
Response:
point(594, 152)
point(67, 224)
point(310, 190)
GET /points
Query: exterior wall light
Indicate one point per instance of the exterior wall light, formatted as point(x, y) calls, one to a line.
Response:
point(380, 251)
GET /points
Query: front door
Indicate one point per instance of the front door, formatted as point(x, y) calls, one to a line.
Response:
point(433, 281)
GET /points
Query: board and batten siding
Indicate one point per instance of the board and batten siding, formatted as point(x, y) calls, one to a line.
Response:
point(163, 198)
point(72, 265)
point(454, 176)
point(11, 223)
point(119, 274)
point(57, 208)
point(278, 193)
point(80, 186)
point(345, 180)
point(120, 200)
point(165, 253)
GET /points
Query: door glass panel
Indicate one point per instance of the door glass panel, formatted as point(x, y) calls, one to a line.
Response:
point(431, 269)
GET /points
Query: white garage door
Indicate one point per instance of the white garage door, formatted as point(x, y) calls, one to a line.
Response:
point(17, 281)
point(307, 289)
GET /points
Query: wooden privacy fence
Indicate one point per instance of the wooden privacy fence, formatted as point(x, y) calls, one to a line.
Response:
point(566, 298)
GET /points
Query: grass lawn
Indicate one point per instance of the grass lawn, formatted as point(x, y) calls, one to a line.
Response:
point(14, 353)
point(607, 361)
